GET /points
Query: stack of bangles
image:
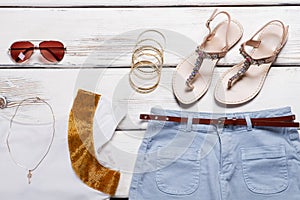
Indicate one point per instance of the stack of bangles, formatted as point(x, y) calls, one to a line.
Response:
point(147, 62)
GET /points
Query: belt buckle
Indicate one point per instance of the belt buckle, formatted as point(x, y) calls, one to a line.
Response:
point(220, 123)
point(221, 120)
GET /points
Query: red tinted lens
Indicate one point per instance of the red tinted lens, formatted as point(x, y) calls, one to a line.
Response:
point(53, 51)
point(21, 51)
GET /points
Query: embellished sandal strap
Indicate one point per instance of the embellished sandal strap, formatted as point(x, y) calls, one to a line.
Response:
point(210, 55)
point(249, 60)
point(245, 66)
point(201, 56)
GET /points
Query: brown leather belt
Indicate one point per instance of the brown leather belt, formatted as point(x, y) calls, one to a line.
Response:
point(284, 121)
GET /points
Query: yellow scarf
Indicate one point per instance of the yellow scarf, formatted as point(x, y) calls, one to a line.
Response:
point(81, 145)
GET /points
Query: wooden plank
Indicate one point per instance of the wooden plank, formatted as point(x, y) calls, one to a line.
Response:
point(134, 3)
point(98, 37)
point(60, 88)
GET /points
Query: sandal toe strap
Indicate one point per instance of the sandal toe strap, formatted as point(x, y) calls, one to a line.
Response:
point(201, 56)
point(246, 65)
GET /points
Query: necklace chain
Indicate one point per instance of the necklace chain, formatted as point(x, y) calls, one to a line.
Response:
point(31, 100)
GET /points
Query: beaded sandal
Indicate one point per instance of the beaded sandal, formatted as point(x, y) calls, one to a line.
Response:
point(193, 76)
point(244, 81)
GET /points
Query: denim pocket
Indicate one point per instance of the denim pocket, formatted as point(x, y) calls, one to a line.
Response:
point(295, 140)
point(265, 169)
point(178, 171)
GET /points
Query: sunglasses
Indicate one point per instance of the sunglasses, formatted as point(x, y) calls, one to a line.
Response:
point(53, 51)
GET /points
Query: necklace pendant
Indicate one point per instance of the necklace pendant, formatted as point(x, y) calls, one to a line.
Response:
point(29, 175)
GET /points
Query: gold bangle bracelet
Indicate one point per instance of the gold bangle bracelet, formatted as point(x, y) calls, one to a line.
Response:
point(141, 89)
point(139, 38)
point(139, 55)
point(144, 74)
point(149, 48)
point(139, 44)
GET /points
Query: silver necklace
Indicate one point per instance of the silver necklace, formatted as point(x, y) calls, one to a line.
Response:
point(30, 170)
point(14, 89)
point(7, 103)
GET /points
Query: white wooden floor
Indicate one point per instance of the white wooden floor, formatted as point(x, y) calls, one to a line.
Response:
point(99, 36)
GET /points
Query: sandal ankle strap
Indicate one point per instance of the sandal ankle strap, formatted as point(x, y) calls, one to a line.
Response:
point(256, 43)
point(212, 33)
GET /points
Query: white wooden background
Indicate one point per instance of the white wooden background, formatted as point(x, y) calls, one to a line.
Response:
point(99, 36)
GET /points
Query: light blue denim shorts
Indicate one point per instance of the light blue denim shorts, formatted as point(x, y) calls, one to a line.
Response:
point(211, 162)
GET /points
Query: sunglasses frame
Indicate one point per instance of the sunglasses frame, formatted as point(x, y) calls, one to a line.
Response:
point(37, 47)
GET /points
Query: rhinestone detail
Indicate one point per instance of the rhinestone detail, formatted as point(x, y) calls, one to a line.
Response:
point(201, 56)
point(247, 63)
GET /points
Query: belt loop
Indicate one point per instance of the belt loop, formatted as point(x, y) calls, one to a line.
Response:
point(189, 123)
point(249, 124)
